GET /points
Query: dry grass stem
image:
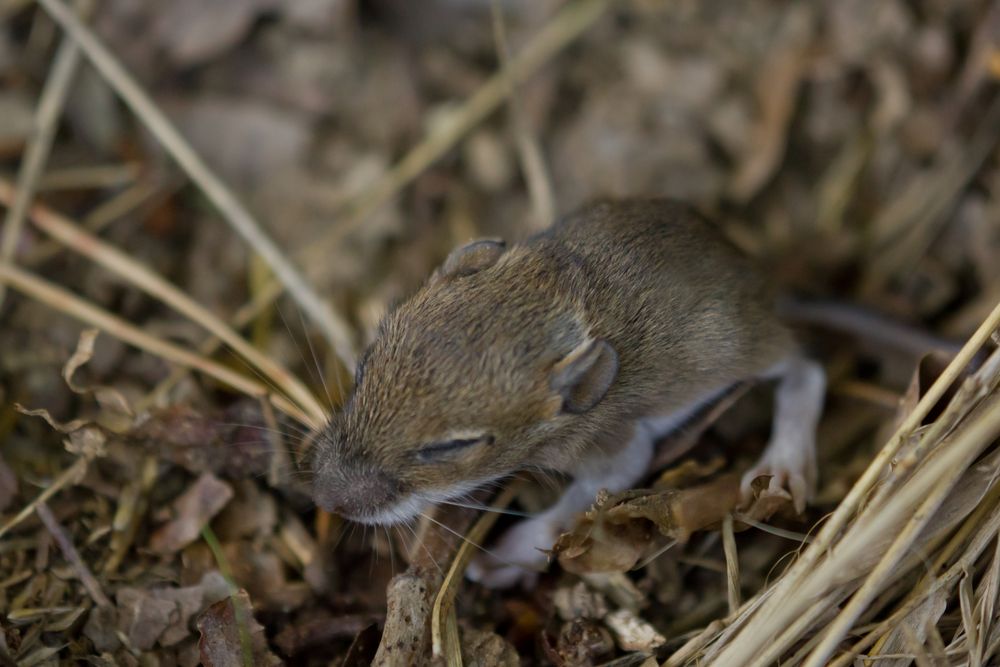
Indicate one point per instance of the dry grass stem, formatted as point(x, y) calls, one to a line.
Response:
point(72, 305)
point(114, 260)
point(336, 331)
point(50, 105)
point(90, 177)
point(69, 551)
point(444, 643)
point(732, 564)
point(69, 476)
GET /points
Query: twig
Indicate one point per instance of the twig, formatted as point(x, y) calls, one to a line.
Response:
point(67, 302)
point(50, 107)
point(335, 329)
point(70, 475)
point(732, 564)
point(114, 260)
point(529, 152)
point(72, 555)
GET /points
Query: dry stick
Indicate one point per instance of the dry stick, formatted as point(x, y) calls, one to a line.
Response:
point(566, 26)
point(336, 330)
point(68, 476)
point(532, 161)
point(774, 612)
point(50, 106)
point(69, 551)
point(72, 305)
point(732, 564)
point(925, 485)
point(64, 231)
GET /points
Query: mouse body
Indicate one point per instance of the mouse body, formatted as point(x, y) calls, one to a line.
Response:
point(573, 351)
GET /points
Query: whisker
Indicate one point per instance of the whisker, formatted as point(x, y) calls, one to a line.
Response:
point(484, 508)
point(319, 369)
point(423, 546)
point(477, 546)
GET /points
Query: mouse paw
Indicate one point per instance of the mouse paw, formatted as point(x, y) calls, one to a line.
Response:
point(518, 557)
point(792, 471)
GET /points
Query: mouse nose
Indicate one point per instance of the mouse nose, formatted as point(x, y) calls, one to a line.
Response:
point(354, 496)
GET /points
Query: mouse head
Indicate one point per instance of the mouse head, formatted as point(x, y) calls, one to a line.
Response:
point(476, 376)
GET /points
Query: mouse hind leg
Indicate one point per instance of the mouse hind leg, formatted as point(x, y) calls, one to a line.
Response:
point(790, 456)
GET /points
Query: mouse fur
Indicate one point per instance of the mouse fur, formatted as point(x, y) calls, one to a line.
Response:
point(559, 353)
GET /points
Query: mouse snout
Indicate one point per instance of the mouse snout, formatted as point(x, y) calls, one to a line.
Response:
point(356, 497)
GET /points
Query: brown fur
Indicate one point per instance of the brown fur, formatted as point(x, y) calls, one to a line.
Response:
point(473, 352)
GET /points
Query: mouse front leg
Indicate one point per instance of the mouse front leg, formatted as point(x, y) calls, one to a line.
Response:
point(790, 457)
point(520, 554)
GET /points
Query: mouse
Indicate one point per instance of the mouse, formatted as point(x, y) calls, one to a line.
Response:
point(572, 351)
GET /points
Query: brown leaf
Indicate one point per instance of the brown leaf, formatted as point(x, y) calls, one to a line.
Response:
point(155, 616)
point(231, 636)
point(192, 510)
point(614, 535)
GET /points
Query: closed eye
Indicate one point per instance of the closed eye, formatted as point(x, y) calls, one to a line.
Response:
point(441, 450)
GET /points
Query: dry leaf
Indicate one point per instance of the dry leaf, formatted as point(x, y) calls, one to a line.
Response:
point(615, 534)
point(192, 510)
point(232, 637)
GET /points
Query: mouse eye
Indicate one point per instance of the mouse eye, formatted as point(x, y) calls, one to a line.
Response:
point(440, 451)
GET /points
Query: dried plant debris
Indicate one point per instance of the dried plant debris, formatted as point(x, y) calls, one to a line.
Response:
point(153, 515)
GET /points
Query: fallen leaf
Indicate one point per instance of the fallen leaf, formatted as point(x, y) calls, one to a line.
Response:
point(147, 617)
point(231, 636)
point(192, 510)
point(621, 528)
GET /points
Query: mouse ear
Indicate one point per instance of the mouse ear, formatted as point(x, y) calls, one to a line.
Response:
point(584, 375)
point(470, 258)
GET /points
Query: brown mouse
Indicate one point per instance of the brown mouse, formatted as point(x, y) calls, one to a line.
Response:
point(573, 351)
